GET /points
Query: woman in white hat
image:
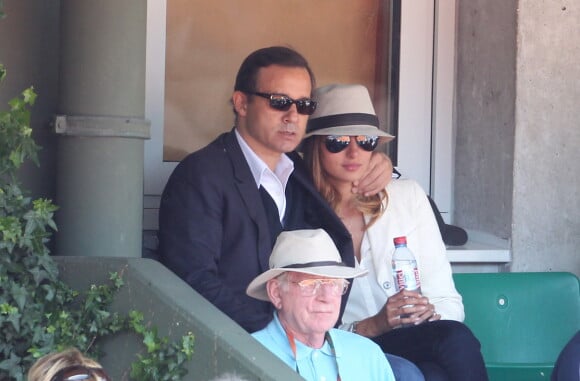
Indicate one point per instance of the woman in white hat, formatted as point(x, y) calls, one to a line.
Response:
point(305, 284)
point(341, 136)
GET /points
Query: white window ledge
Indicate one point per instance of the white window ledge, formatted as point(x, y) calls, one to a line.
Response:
point(480, 248)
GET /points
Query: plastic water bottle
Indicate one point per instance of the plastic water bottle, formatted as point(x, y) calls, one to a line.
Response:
point(405, 272)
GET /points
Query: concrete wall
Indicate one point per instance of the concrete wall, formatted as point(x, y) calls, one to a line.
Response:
point(485, 95)
point(174, 308)
point(546, 206)
point(517, 157)
point(29, 49)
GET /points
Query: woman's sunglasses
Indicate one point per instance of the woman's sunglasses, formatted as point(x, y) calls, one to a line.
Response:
point(79, 372)
point(337, 143)
point(281, 102)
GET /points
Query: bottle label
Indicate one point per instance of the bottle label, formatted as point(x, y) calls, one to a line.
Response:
point(407, 277)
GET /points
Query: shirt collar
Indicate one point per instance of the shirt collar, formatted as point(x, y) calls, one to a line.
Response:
point(302, 350)
point(283, 169)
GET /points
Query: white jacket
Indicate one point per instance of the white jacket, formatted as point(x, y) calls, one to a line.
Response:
point(409, 214)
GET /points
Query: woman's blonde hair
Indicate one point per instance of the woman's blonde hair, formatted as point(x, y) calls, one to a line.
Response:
point(46, 367)
point(371, 206)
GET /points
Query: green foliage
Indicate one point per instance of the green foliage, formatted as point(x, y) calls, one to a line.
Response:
point(30, 289)
point(15, 136)
point(39, 313)
point(163, 360)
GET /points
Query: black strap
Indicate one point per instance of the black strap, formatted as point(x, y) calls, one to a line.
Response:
point(342, 120)
point(314, 264)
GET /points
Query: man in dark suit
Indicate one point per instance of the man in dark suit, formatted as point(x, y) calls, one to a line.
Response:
point(225, 204)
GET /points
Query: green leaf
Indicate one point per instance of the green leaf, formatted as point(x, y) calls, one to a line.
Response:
point(187, 345)
point(150, 341)
point(20, 295)
point(29, 96)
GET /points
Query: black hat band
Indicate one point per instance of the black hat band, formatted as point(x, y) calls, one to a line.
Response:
point(313, 264)
point(339, 120)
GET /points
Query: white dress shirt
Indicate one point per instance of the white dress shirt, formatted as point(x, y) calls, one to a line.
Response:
point(274, 182)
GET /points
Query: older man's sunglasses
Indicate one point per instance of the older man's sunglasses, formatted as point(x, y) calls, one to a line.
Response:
point(282, 102)
point(338, 143)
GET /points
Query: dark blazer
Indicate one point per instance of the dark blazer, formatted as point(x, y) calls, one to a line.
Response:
point(213, 230)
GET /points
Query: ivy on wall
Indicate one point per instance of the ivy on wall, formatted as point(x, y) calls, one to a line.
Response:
point(39, 313)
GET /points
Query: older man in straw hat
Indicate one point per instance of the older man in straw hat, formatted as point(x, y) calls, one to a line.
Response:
point(305, 283)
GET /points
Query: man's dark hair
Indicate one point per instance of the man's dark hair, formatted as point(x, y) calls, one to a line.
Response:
point(274, 55)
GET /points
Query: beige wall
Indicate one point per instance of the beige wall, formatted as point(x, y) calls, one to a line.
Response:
point(207, 41)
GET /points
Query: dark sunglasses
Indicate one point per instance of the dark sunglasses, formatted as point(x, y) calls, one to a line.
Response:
point(337, 143)
point(281, 102)
point(79, 372)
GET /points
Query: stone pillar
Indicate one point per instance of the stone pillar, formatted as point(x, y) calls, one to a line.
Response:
point(101, 128)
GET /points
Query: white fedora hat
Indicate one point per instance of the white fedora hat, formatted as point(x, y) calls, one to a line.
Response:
point(310, 251)
point(344, 110)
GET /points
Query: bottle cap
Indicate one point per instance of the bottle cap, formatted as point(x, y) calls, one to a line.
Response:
point(400, 240)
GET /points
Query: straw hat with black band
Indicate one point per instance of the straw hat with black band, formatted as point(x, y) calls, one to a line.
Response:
point(345, 110)
point(309, 251)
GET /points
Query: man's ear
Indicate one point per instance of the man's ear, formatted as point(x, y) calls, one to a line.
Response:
point(273, 288)
point(240, 101)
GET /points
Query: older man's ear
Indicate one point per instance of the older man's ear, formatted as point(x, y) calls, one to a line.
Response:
point(273, 287)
